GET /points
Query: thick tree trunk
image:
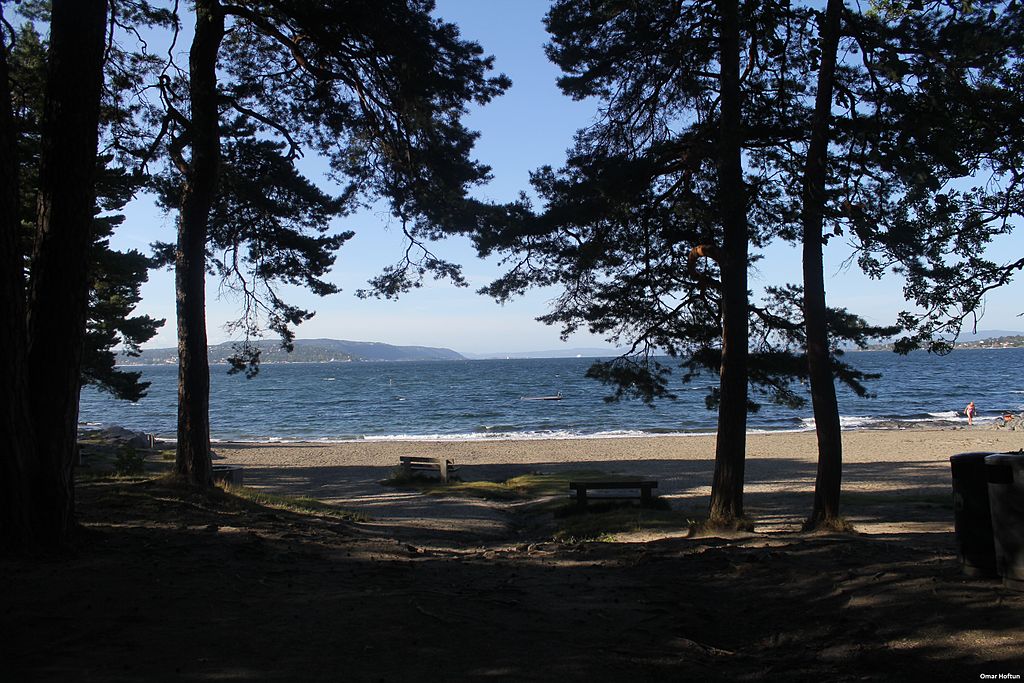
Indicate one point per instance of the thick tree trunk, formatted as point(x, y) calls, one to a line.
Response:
point(730, 450)
point(16, 453)
point(193, 456)
point(58, 283)
point(823, 390)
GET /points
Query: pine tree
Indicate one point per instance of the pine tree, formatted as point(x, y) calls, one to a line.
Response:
point(16, 523)
point(649, 224)
point(81, 291)
point(58, 273)
point(905, 131)
point(115, 278)
point(378, 88)
point(634, 227)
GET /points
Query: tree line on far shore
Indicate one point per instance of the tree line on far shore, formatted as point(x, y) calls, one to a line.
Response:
point(724, 127)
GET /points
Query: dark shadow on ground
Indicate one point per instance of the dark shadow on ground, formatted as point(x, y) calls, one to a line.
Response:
point(172, 586)
point(778, 494)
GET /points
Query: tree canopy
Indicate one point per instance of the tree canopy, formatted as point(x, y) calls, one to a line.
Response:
point(920, 173)
point(115, 277)
point(377, 89)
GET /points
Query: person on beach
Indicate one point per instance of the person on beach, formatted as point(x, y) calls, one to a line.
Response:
point(970, 412)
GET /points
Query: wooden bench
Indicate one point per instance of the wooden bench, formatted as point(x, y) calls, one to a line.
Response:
point(644, 486)
point(416, 463)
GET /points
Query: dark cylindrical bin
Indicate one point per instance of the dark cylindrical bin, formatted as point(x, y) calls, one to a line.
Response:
point(971, 517)
point(228, 474)
point(1005, 473)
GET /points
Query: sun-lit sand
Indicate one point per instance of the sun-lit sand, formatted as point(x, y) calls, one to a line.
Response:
point(910, 445)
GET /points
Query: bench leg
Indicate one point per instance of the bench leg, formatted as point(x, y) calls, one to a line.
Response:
point(645, 495)
point(581, 496)
point(443, 470)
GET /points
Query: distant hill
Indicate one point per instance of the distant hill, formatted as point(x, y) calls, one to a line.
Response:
point(982, 339)
point(307, 351)
point(1010, 341)
point(982, 335)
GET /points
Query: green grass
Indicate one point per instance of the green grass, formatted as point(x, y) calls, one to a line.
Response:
point(105, 460)
point(604, 521)
point(301, 504)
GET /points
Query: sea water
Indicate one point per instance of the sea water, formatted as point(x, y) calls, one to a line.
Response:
point(484, 399)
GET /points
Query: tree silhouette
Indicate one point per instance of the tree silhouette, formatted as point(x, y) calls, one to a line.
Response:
point(378, 88)
point(634, 228)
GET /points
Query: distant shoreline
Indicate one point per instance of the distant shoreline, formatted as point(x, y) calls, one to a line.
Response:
point(986, 345)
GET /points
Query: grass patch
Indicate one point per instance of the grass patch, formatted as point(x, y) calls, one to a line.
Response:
point(836, 525)
point(708, 527)
point(603, 521)
point(109, 460)
point(301, 504)
point(129, 462)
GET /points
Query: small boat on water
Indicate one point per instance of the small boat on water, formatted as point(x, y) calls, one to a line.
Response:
point(556, 397)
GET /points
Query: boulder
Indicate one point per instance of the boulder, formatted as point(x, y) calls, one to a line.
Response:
point(126, 437)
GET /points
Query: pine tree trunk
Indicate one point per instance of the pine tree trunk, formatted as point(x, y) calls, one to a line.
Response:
point(193, 455)
point(16, 453)
point(730, 450)
point(58, 283)
point(823, 390)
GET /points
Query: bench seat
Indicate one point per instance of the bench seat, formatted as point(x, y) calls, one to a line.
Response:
point(419, 463)
point(644, 486)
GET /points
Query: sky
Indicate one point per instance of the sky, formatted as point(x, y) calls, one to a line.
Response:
point(529, 126)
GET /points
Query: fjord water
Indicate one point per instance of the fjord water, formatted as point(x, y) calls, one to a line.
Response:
point(482, 399)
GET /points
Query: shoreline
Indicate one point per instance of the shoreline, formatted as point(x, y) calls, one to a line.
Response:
point(529, 437)
point(859, 446)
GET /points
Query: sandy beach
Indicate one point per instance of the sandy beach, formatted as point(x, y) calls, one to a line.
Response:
point(909, 445)
point(881, 468)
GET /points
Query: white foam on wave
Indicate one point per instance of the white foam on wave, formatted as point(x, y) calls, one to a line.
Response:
point(949, 414)
point(512, 436)
point(554, 435)
point(845, 422)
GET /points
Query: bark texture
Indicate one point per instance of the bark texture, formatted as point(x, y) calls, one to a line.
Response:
point(193, 455)
point(15, 421)
point(58, 284)
point(823, 390)
point(730, 449)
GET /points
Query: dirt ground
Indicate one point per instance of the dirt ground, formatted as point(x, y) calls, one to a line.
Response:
point(169, 584)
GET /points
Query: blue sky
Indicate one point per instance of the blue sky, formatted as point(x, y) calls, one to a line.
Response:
point(529, 126)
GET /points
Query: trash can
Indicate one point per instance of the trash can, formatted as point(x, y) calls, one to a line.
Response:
point(228, 474)
point(971, 517)
point(1005, 472)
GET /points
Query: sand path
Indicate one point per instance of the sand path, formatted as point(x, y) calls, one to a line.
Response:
point(895, 481)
